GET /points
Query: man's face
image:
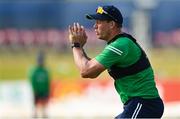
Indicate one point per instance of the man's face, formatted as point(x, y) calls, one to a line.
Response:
point(102, 29)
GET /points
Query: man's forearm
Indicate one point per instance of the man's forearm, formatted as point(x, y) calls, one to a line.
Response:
point(89, 68)
point(80, 58)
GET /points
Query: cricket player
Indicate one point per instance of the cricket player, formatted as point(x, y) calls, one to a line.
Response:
point(125, 61)
point(40, 81)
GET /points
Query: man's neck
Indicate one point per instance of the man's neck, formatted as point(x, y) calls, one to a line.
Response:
point(113, 35)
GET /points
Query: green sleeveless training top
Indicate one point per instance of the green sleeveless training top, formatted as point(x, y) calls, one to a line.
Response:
point(40, 80)
point(123, 52)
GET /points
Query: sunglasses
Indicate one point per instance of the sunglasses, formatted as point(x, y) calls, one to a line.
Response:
point(100, 10)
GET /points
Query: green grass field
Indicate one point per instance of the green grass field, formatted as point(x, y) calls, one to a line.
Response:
point(15, 65)
point(166, 62)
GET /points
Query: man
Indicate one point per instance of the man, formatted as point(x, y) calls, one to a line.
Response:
point(125, 61)
point(40, 81)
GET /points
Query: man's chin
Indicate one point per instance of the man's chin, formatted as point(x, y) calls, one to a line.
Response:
point(100, 38)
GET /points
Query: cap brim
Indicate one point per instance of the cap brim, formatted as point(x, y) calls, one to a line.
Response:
point(97, 17)
point(88, 16)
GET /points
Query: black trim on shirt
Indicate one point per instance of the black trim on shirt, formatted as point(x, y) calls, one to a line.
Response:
point(142, 63)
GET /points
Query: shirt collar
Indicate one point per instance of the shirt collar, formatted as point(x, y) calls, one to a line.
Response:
point(114, 38)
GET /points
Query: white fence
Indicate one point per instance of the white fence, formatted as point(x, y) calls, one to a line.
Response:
point(16, 102)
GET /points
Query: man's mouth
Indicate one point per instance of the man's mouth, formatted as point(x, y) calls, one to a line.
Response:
point(96, 32)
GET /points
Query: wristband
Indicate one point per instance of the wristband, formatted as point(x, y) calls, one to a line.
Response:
point(77, 45)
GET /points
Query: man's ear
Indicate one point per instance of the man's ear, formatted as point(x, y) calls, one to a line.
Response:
point(112, 24)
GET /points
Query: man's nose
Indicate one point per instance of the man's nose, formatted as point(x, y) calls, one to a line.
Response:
point(95, 26)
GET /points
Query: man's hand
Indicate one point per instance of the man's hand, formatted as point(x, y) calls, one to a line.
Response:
point(77, 34)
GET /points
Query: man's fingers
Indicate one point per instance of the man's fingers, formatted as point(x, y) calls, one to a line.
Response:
point(77, 33)
point(71, 34)
point(82, 27)
point(83, 30)
point(75, 29)
point(78, 27)
point(70, 29)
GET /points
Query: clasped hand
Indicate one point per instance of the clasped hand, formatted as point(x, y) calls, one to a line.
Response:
point(77, 34)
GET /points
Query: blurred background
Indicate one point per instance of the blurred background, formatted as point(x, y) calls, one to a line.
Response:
point(28, 26)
